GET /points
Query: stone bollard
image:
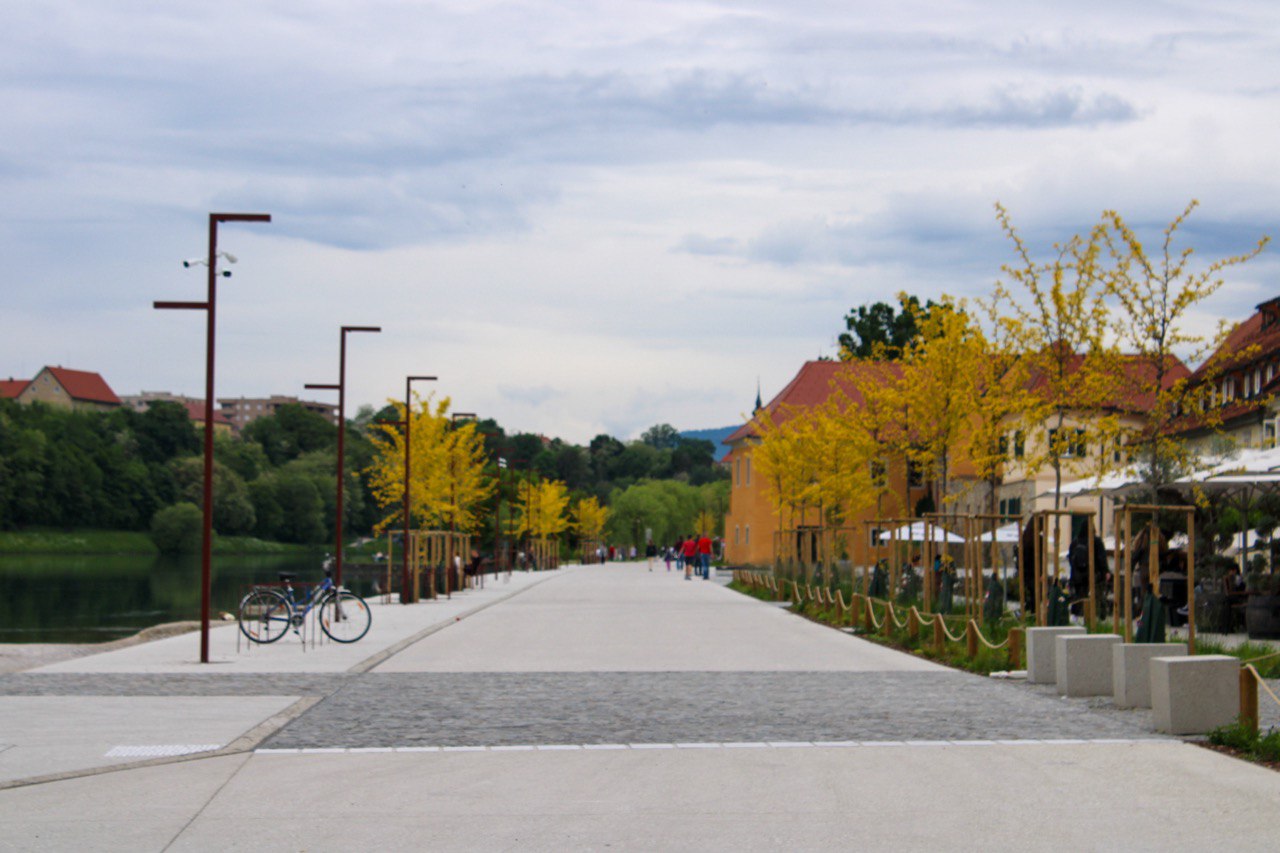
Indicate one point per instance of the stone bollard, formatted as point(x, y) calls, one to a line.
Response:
point(1083, 663)
point(1191, 695)
point(1131, 671)
point(1041, 652)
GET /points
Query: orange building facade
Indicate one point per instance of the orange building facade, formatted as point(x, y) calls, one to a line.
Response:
point(753, 531)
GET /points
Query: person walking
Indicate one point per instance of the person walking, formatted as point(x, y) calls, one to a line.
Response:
point(651, 553)
point(690, 549)
point(704, 556)
point(678, 548)
point(667, 556)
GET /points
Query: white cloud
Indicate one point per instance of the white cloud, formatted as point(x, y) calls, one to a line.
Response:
point(585, 217)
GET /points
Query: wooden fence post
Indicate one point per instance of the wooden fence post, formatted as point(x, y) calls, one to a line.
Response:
point(1015, 648)
point(1249, 698)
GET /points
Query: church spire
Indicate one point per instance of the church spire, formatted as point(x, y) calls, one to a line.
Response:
point(759, 404)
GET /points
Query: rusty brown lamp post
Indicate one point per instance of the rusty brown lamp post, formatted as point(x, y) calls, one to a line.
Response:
point(341, 388)
point(209, 306)
point(406, 596)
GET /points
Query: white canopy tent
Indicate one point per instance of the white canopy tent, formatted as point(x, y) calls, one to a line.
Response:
point(915, 532)
point(1006, 534)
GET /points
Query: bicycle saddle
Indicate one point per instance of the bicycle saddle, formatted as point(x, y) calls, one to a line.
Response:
point(285, 577)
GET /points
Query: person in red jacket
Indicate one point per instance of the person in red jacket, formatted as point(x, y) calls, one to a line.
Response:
point(704, 556)
point(690, 555)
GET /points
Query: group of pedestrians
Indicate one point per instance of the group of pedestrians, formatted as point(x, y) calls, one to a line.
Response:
point(692, 555)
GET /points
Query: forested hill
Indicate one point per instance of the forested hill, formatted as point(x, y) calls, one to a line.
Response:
point(715, 436)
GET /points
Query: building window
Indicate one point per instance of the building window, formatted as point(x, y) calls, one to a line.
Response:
point(1228, 390)
point(915, 475)
point(737, 472)
point(747, 540)
point(1019, 444)
point(1257, 381)
point(1073, 447)
point(748, 471)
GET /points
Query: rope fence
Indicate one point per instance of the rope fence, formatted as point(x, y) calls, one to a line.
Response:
point(888, 621)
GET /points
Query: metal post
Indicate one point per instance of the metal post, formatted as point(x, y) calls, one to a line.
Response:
point(340, 387)
point(209, 306)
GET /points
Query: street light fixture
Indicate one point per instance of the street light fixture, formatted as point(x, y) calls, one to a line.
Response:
point(209, 306)
point(340, 387)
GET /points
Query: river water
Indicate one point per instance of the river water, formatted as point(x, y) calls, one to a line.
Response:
point(89, 599)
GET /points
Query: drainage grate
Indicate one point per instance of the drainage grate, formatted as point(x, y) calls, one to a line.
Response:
point(163, 750)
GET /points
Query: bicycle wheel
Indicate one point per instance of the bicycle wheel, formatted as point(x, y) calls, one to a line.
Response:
point(264, 615)
point(344, 617)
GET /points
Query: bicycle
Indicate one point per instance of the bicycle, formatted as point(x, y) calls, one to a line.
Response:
point(266, 613)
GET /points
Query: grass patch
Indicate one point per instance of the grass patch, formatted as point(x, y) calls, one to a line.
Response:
point(1269, 668)
point(46, 541)
point(248, 545)
point(1241, 740)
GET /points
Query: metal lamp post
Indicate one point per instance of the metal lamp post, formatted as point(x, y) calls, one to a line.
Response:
point(340, 387)
point(405, 596)
point(209, 307)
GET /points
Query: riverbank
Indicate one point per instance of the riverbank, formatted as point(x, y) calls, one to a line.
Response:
point(17, 657)
point(130, 542)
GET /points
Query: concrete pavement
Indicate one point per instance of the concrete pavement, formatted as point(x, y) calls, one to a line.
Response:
point(609, 706)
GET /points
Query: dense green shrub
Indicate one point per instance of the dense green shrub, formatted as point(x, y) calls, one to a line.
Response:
point(177, 529)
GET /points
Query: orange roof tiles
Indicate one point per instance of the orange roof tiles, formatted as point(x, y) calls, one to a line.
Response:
point(84, 385)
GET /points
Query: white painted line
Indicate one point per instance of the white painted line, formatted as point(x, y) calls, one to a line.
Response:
point(1027, 742)
point(751, 745)
point(836, 743)
point(1065, 742)
point(603, 746)
point(371, 749)
point(325, 749)
point(417, 749)
point(928, 743)
point(973, 743)
point(162, 750)
point(790, 744)
point(462, 749)
point(698, 746)
point(521, 748)
point(883, 743)
point(276, 751)
point(653, 746)
point(558, 747)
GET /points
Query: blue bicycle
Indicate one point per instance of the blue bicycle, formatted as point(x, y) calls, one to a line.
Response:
point(266, 613)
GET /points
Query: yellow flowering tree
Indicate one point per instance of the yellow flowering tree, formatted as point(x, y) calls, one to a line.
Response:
point(447, 482)
point(1153, 296)
point(589, 519)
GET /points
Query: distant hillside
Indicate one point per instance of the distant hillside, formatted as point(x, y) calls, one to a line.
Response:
point(715, 436)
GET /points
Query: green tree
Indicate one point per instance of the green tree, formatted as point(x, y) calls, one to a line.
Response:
point(291, 432)
point(178, 529)
point(881, 332)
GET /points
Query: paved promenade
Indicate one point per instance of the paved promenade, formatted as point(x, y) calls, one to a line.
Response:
point(586, 708)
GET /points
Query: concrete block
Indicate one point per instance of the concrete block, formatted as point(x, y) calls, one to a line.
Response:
point(1083, 663)
point(1131, 671)
point(1191, 695)
point(1041, 652)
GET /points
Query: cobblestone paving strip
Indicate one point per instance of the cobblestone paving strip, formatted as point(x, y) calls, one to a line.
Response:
point(511, 709)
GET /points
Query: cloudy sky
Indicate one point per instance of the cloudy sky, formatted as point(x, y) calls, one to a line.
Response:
point(590, 217)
